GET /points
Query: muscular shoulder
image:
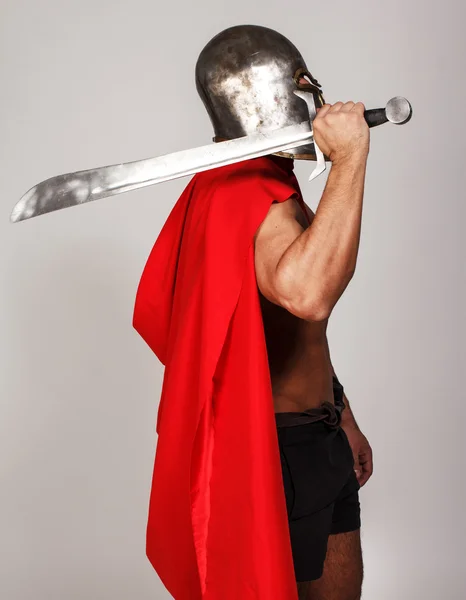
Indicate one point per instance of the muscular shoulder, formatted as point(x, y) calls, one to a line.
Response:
point(280, 214)
point(281, 226)
point(284, 218)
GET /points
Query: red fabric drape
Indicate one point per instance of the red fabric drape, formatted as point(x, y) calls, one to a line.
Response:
point(217, 526)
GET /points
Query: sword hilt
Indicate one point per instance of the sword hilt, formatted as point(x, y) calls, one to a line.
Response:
point(397, 111)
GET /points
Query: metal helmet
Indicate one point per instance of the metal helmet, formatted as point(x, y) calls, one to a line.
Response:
point(246, 77)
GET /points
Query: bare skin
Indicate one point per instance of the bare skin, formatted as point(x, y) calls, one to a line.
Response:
point(343, 571)
point(302, 270)
point(298, 352)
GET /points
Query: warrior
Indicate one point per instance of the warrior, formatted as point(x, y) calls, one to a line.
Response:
point(246, 277)
point(259, 459)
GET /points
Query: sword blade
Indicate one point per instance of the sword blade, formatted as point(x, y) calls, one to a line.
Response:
point(80, 187)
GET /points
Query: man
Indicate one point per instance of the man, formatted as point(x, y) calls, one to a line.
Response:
point(234, 301)
point(302, 267)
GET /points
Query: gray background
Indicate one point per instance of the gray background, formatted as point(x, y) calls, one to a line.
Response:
point(91, 83)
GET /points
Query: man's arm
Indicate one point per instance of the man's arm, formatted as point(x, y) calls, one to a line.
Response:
point(307, 270)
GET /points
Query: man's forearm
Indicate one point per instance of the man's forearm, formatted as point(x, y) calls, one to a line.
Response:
point(316, 268)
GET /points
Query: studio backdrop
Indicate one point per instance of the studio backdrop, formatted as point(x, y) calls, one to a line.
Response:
point(86, 84)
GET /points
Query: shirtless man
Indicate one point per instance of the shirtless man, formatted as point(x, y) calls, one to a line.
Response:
point(217, 525)
point(302, 270)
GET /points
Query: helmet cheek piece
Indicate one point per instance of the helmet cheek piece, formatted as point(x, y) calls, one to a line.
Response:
point(312, 85)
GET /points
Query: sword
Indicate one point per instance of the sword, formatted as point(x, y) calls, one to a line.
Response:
point(72, 189)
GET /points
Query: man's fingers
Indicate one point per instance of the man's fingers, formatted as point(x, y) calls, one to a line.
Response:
point(322, 111)
point(339, 132)
point(341, 106)
point(367, 467)
point(359, 108)
point(363, 479)
point(347, 107)
point(357, 467)
point(336, 107)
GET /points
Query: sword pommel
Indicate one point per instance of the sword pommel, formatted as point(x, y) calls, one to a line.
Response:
point(397, 111)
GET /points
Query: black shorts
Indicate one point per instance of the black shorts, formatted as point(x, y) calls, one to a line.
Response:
point(321, 491)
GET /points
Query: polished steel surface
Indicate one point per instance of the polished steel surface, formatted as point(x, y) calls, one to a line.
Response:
point(250, 79)
point(246, 76)
point(80, 187)
point(398, 110)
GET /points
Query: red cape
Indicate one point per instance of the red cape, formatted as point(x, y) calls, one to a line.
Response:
point(217, 525)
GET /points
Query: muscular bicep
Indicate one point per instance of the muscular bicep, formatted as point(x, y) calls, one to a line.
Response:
point(280, 228)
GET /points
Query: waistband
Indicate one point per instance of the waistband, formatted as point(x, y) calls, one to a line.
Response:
point(328, 412)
